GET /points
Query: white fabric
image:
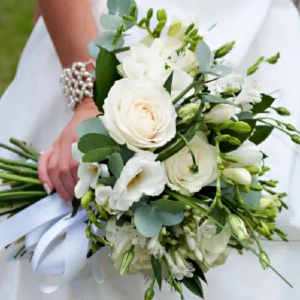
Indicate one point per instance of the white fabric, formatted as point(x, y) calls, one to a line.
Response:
point(34, 110)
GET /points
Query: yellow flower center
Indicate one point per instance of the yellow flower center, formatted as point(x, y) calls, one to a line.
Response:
point(94, 169)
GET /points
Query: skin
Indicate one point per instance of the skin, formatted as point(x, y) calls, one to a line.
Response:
point(71, 26)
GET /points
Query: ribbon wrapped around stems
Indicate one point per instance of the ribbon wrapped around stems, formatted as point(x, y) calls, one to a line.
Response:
point(58, 242)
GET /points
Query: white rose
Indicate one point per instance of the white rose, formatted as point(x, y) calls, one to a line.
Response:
point(139, 114)
point(177, 167)
point(181, 23)
point(248, 155)
point(238, 175)
point(142, 175)
point(221, 113)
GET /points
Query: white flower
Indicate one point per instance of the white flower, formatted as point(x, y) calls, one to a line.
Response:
point(238, 175)
point(142, 175)
point(184, 21)
point(88, 173)
point(181, 80)
point(221, 113)
point(250, 94)
point(102, 194)
point(177, 167)
point(155, 248)
point(140, 114)
point(248, 155)
point(238, 227)
point(270, 201)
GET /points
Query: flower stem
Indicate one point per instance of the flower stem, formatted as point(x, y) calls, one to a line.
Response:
point(25, 147)
point(22, 194)
point(22, 187)
point(184, 92)
point(19, 171)
point(18, 178)
point(17, 151)
point(120, 50)
point(18, 163)
point(275, 126)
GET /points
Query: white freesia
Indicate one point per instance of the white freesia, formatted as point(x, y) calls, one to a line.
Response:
point(248, 154)
point(270, 201)
point(102, 194)
point(221, 113)
point(238, 227)
point(180, 177)
point(155, 248)
point(139, 114)
point(238, 175)
point(142, 175)
point(88, 173)
point(182, 22)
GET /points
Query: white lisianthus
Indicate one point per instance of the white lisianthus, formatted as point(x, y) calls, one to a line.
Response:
point(142, 175)
point(139, 114)
point(238, 175)
point(238, 227)
point(88, 173)
point(248, 154)
point(250, 94)
point(180, 23)
point(180, 177)
point(221, 113)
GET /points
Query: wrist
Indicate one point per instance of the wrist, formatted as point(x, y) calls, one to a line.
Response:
point(87, 104)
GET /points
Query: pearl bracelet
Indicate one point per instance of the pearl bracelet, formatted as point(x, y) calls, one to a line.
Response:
point(76, 83)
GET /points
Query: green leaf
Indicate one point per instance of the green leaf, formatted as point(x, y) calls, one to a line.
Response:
point(194, 285)
point(169, 219)
point(108, 181)
point(147, 221)
point(226, 147)
point(97, 155)
point(173, 207)
point(106, 75)
point(203, 54)
point(222, 70)
point(143, 202)
point(115, 164)
point(156, 266)
point(265, 103)
point(119, 7)
point(244, 115)
point(261, 133)
point(92, 125)
point(92, 141)
point(198, 270)
point(215, 99)
point(168, 83)
point(75, 204)
point(110, 21)
point(252, 197)
point(221, 217)
point(126, 153)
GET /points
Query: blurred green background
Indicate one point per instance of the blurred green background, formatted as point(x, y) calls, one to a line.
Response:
point(16, 22)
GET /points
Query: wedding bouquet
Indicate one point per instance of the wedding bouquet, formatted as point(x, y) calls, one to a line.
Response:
point(171, 172)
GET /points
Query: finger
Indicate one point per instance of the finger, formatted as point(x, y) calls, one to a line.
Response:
point(43, 170)
point(74, 170)
point(53, 171)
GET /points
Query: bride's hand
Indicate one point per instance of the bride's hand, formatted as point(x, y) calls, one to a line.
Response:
point(57, 168)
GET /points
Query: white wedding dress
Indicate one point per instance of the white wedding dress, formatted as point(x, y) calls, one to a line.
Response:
point(33, 109)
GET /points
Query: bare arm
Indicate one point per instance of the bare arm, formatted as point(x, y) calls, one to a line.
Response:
point(71, 26)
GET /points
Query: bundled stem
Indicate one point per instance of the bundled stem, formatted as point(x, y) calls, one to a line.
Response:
point(17, 178)
point(19, 171)
point(17, 151)
point(18, 163)
point(25, 148)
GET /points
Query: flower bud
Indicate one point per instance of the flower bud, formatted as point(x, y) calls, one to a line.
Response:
point(160, 26)
point(225, 138)
point(282, 111)
point(188, 109)
point(87, 199)
point(226, 125)
point(245, 188)
point(133, 10)
point(264, 229)
point(179, 261)
point(198, 254)
point(224, 50)
point(290, 127)
point(161, 15)
point(103, 213)
point(264, 260)
point(221, 113)
point(235, 141)
point(189, 29)
point(127, 260)
point(229, 158)
point(194, 32)
point(174, 28)
point(238, 175)
point(92, 217)
point(227, 181)
point(241, 127)
point(269, 201)
point(150, 13)
point(256, 188)
point(296, 139)
point(149, 295)
point(273, 60)
point(177, 287)
point(253, 170)
point(238, 227)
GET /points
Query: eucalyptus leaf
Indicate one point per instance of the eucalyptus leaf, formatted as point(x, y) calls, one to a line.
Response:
point(110, 21)
point(92, 125)
point(222, 70)
point(194, 285)
point(115, 165)
point(168, 83)
point(147, 221)
point(252, 197)
point(92, 141)
point(126, 153)
point(244, 115)
point(108, 181)
point(156, 266)
point(169, 219)
point(215, 99)
point(106, 75)
point(143, 202)
point(265, 103)
point(173, 207)
point(105, 41)
point(119, 7)
point(261, 133)
point(97, 155)
point(203, 54)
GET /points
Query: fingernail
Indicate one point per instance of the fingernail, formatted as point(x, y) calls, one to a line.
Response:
point(47, 188)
